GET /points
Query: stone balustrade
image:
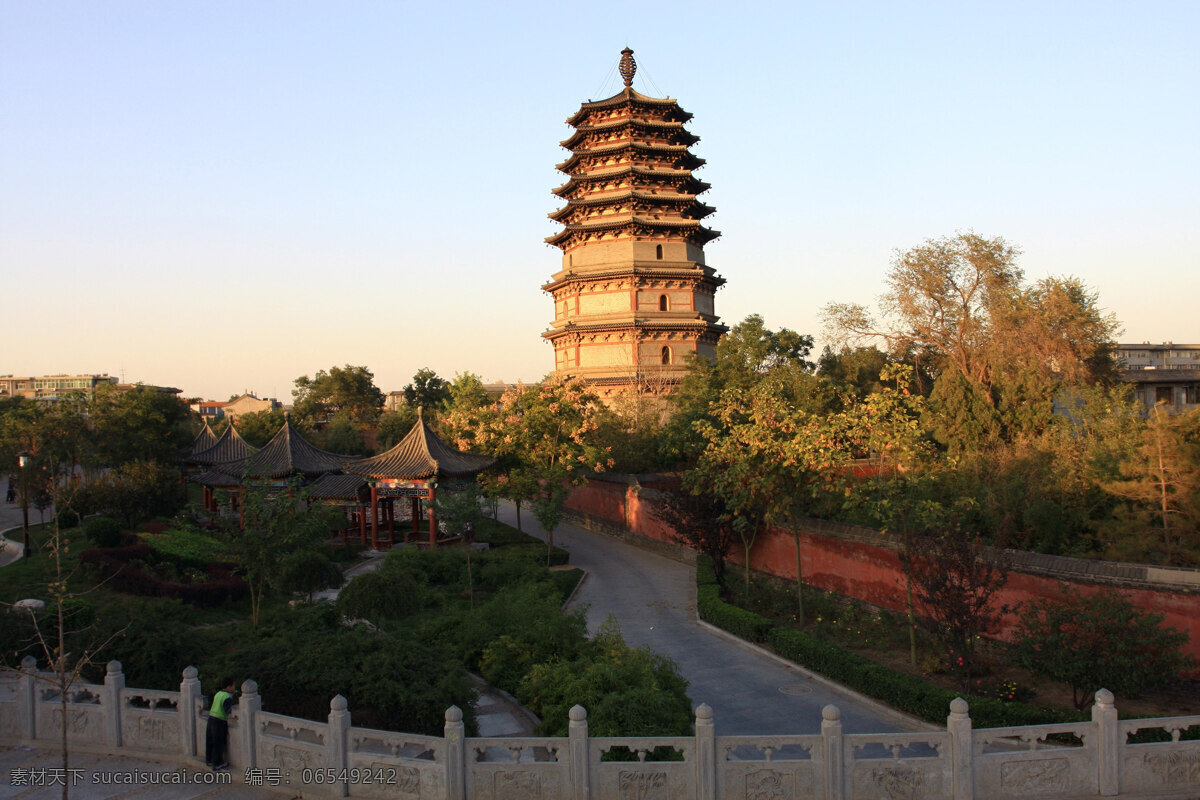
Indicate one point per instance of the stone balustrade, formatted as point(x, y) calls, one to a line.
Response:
point(336, 759)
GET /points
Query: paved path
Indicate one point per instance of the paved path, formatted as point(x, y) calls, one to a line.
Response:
point(10, 526)
point(654, 600)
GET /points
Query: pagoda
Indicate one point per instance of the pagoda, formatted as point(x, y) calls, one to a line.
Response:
point(634, 298)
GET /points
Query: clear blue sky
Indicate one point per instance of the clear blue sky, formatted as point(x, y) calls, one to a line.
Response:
point(224, 196)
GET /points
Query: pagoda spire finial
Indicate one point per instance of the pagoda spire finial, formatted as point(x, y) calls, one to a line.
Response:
point(627, 67)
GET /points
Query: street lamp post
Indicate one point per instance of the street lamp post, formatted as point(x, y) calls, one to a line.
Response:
point(24, 460)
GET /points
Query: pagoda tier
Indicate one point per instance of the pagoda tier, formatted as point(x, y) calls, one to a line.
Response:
point(634, 298)
point(624, 178)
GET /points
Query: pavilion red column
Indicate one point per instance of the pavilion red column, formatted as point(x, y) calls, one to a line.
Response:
point(391, 520)
point(432, 520)
point(374, 519)
point(416, 516)
point(362, 524)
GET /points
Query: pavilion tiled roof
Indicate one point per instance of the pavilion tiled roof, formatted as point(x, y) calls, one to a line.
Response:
point(288, 453)
point(204, 440)
point(215, 479)
point(420, 454)
point(229, 447)
point(338, 487)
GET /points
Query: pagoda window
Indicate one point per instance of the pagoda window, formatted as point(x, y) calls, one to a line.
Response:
point(663, 303)
point(666, 353)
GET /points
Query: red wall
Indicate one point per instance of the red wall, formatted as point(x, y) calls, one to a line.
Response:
point(864, 571)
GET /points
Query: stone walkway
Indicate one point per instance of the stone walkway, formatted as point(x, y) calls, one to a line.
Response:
point(653, 598)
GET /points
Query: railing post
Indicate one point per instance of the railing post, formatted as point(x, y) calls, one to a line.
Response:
point(1108, 744)
point(962, 751)
point(835, 759)
point(189, 691)
point(114, 682)
point(335, 741)
point(456, 755)
point(581, 767)
point(249, 705)
point(27, 713)
point(706, 754)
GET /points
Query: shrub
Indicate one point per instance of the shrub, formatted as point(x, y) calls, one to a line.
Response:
point(900, 690)
point(102, 531)
point(120, 566)
point(187, 548)
point(66, 518)
point(380, 596)
point(738, 621)
point(307, 572)
point(626, 691)
point(1099, 641)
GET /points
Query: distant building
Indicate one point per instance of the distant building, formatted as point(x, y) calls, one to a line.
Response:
point(394, 401)
point(1165, 373)
point(247, 403)
point(48, 387)
point(209, 410)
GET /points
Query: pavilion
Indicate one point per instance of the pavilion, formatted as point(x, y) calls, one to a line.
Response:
point(364, 488)
point(413, 469)
point(227, 448)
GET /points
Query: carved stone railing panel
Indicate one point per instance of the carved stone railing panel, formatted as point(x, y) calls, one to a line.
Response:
point(1165, 766)
point(86, 714)
point(150, 720)
point(10, 722)
point(297, 746)
point(410, 766)
point(1104, 757)
point(898, 766)
point(645, 778)
point(1037, 761)
point(769, 767)
point(518, 769)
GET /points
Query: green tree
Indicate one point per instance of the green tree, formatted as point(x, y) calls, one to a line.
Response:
point(744, 356)
point(699, 521)
point(275, 524)
point(137, 424)
point(342, 435)
point(765, 457)
point(259, 427)
point(955, 577)
point(853, 370)
point(347, 389)
point(1160, 480)
point(427, 391)
point(961, 302)
point(466, 392)
point(394, 426)
point(542, 437)
point(1098, 641)
point(133, 492)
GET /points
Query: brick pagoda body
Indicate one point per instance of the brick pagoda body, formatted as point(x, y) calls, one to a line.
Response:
point(634, 298)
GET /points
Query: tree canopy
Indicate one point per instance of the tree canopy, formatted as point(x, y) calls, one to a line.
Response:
point(348, 390)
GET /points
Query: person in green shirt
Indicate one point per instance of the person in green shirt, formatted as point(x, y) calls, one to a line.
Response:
point(216, 735)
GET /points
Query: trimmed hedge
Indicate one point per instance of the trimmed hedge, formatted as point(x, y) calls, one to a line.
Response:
point(113, 564)
point(738, 621)
point(705, 574)
point(900, 690)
